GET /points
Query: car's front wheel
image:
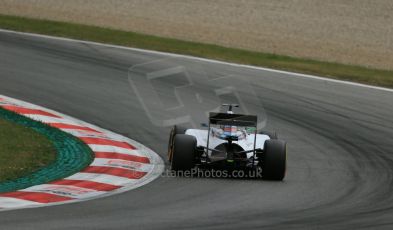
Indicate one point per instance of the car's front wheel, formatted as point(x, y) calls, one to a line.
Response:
point(272, 135)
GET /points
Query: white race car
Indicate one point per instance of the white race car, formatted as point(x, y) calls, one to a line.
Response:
point(231, 141)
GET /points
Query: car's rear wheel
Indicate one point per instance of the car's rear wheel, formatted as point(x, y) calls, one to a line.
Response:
point(176, 129)
point(183, 157)
point(274, 160)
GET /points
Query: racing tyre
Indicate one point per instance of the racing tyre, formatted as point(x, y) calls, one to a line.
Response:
point(272, 135)
point(274, 160)
point(183, 157)
point(177, 129)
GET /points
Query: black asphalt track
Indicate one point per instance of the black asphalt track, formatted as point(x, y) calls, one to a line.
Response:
point(340, 140)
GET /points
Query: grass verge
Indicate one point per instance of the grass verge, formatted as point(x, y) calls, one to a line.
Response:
point(92, 33)
point(22, 151)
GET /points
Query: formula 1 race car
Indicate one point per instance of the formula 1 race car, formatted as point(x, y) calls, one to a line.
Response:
point(231, 141)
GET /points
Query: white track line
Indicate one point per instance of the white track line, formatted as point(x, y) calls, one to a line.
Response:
point(286, 73)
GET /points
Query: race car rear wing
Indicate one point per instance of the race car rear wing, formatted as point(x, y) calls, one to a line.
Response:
point(233, 119)
point(229, 119)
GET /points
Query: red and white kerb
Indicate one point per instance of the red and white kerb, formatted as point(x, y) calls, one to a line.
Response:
point(120, 164)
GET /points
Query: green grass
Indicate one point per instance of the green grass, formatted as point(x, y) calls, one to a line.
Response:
point(22, 151)
point(92, 33)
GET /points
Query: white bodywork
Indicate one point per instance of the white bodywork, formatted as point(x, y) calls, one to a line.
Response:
point(246, 143)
